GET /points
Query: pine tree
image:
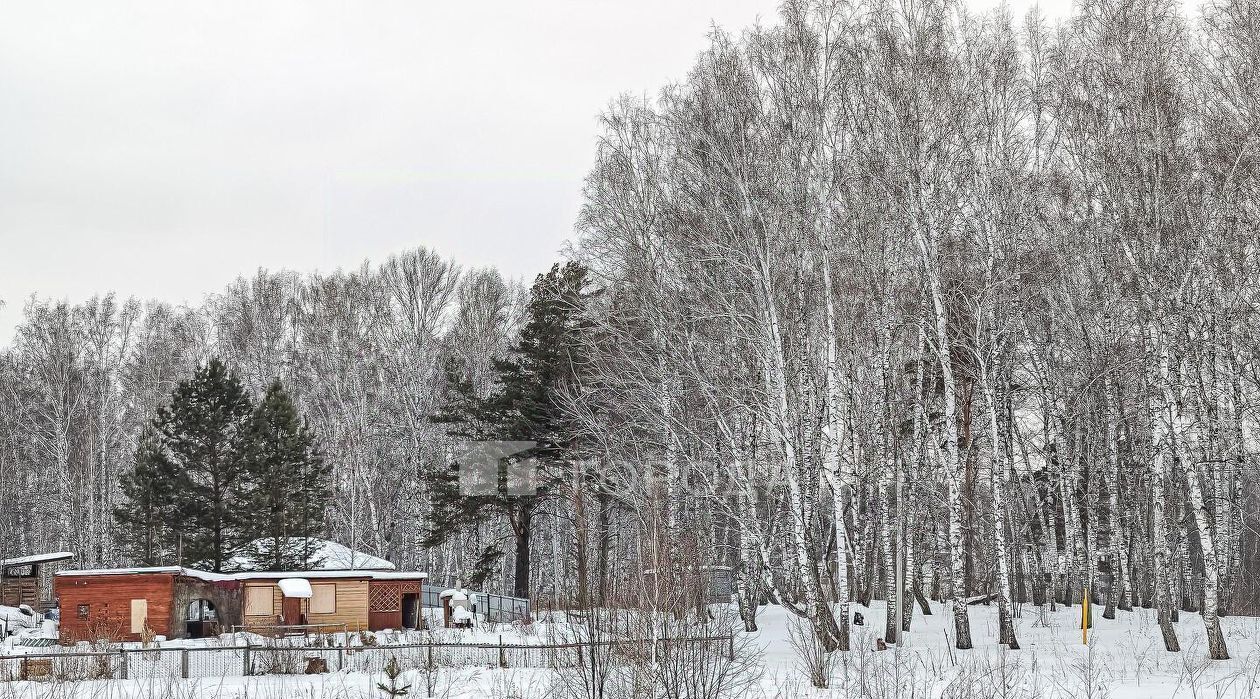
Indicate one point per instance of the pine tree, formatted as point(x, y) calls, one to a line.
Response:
point(392, 688)
point(147, 528)
point(523, 407)
point(287, 485)
point(201, 434)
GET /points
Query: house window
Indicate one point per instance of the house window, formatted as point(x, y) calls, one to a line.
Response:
point(201, 610)
point(323, 599)
point(258, 601)
point(83, 611)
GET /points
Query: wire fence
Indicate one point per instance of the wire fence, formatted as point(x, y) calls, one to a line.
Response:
point(496, 608)
point(243, 660)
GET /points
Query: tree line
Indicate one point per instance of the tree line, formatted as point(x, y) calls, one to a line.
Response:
point(905, 302)
point(361, 353)
point(885, 301)
point(218, 481)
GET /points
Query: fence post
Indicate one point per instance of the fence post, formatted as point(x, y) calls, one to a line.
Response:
point(122, 664)
point(502, 653)
point(246, 668)
point(341, 655)
point(730, 654)
point(183, 663)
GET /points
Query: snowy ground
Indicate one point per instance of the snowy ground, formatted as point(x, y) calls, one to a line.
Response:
point(1124, 660)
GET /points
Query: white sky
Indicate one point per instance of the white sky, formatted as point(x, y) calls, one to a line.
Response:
point(160, 148)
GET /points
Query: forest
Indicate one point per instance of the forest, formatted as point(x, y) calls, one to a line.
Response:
point(884, 300)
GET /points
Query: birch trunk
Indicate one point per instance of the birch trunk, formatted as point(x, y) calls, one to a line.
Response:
point(953, 465)
point(1160, 445)
point(833, 448)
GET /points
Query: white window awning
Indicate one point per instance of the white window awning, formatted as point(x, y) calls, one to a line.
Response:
point(295, 587)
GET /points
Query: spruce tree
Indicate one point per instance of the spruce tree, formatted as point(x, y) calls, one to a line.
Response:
point(148, 529)
point(523, 407)
point(201, 432)
point(287, 486)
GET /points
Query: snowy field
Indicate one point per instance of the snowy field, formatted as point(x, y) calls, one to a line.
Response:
point(1124, 660)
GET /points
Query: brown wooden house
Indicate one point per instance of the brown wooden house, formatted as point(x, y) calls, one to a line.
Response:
point(359, 599)
point(179, 602)
point(120, 603)
point(28, 579)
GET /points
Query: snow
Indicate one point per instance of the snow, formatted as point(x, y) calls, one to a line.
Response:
point(36, 559)
point(327, 555)
point(1124, 660)
point(252, 575)
point(152, 570)
point(22, 617)
point(295, 587)
point(331, 574)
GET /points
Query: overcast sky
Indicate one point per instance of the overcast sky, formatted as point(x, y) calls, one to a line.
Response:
point(161, 148)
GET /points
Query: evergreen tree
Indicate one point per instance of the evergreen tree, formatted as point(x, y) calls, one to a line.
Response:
point(201, 434)
point(148, 529)
point(523, 407)
point(287, 485)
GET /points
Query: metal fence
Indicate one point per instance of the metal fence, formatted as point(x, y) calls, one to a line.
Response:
point(279, 659)
point(501, 608)
point(496, 608)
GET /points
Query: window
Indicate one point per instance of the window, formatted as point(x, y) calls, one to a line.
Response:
point(139, 615)
point(201, 610)
point(83, 611)
point(323, 599)
point(258, 601)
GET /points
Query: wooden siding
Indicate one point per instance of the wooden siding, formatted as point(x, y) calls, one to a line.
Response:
point(15, 591)
point(108, 599)
point(352, 604)
point(385, 600)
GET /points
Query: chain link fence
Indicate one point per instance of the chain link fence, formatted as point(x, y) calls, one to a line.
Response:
point(279, 659)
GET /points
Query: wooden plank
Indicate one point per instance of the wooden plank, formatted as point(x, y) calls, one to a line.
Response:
point(106, 601)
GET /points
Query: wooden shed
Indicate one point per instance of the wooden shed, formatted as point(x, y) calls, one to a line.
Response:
point(357, 599)
point(120, 603)
point(28, 579)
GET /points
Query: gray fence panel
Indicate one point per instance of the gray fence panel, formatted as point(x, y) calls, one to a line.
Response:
point(166, 664)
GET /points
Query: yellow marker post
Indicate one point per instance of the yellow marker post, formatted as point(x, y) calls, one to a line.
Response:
point(1085, 617)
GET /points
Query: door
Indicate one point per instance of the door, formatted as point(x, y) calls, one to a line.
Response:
point(291, 611)
point(139, 615)
point(410, 611)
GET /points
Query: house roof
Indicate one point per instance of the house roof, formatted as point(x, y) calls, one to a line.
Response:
point(151, 570)
point(253, 575)
point(36, 559)
point(326, 555)
point(332, 574)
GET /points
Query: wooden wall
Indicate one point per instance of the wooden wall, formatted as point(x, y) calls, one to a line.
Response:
point(15, 591)
point(108, 599)
point(352, 604)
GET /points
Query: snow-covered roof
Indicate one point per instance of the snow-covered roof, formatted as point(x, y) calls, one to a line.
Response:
point(36, 559)
point(153, 570)
point(295, 587)
point(326, 555)
point(332, 574)
point(255, 575)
